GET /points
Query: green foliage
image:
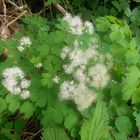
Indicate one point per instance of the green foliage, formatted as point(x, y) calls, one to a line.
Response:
point(27, 108)
point(97, 127)
point(54, 134)
point(123, 124)
point(3, 105)
point(115, 116)
point(131, 84)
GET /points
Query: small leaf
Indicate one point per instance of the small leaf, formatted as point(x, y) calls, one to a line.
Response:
point(120, 136)
point(70, 120)
point(14, 105)
point(97, 127)
point(102, 24)
point(3, 105)
point(19, 125)
point(27, 108)
point(116, 35)
point(54, 134)
point(132, 57)
point(131, 82)
point(123, 124)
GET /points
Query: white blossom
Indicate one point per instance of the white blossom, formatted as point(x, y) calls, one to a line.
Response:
point(64, 52)
point(77, 43)
point(56, 79)
point(76, 24)
point(93, 43)
point(79, 93)
point(89, 27)
point(25, 94)
point(14, 80)
point(66, 90)
point(39, 65)
point(85, 67)
point(25, 83)
point(25, 41)
point(80, 76)
point(99, 76)
point(13, 72)
point(83, 97)
point(68, 68)
point(67, 17)
point(77, 57)
point(21, 48)
point(11, 85)
point(91, 53)
point(109, 60)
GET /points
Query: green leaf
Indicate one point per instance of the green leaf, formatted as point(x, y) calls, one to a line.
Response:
point(135, 16)
point(131, 82)
point(128, 12)
point(118, 52)
point(3, 105)
point(117, 5)
point(123, 110)
point(136, 96)
point(47, 80)
point(97, 127)
point(123, 124)
point(27, 108)
point(1, 47)
point(115, 27)
point(19, 125)
point(14, 105)
point(120, 136)
point(132, 57)
point(54, 134)
point(41, 101)
point(62, 107)
point(116, 35)
point(8, 134)
point(52, 115)
point(43, 49)
point(71, 120)
point(102, 24)
point(10, 98)
point(137, 118)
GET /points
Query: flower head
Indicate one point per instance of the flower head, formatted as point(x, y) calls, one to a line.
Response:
point(76, 24)
point(14, 80)
point(25, 83)
point(21, 48)
point(56, 79)
point(89, 26)
point(99, 76)
point(25, 94)
point(64, 52)
point(66, 90)
point(25, 41)
point(39, 65)
point(83, 97)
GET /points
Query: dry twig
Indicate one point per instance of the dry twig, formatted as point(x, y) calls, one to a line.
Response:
point(61, 9)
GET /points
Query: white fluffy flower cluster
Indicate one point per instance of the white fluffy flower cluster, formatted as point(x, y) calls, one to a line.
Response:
point(77, 26)
point(15, 82)
point(89, 71)
point(56, 79)
point(77, 57)
point(79, 93)
point(25, 41)
point(39, 65)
